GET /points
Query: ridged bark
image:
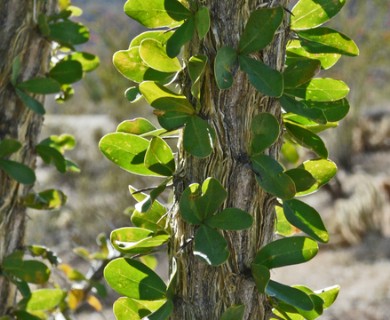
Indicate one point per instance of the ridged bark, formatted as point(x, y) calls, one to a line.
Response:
point(205, 292)
point(19, 36)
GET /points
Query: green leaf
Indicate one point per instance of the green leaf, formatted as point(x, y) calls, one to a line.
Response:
point(305, 218)
point(30, 102)
point(22, 315)
point(261, 275)
point(8, 147)
point(51, 155)
point(40, 86)
point(161, 98)
point(159, 157)
point(127, 151)
point(160, 36)
point(320, 89)
point(286, 252)
point(153, 54)
point(202, 22)
point(126, 308)
point(136, 240)
point(235, 312)
point(332, 39)
point(230, 219)
point(333, 110)
point(265, 79)
point(328, 295)
point(307, 139)
point(303, 179)
point(308, 14)
point(131, 66)
point(162, 313)
point(136, 126)
point(283, 227)
point(133, 94)
point(198, 137)
point(18, 171)
point(66, 72)
point(134, 280)
point(181, 36)
point(88, 61)
point(210, 246)
point(43, 300)
point(322, 170)
point(265, 130)
point(172, 120)
point(146, 204)
point(270, 176)
point(224, 63)
point(156, 13)
point(27, 270)
point(44, 253)
point(196, 68)
point(300, 71)
point(289, 295)
point(260, 29)
point(188, 207)
point(306, 123)
point(61, 143)
point(289, 151)
point(68, 33)
point(301, 107)
point(46, 200)
point(297, 50)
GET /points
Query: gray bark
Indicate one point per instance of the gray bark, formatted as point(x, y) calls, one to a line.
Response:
point(205, 292)
point(19, 36)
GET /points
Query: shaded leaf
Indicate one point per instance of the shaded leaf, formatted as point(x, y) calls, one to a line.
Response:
point(196, 68)
point(66, 72)
point(136, 126)
point(46, 200)
point(198, 137)
point(8, 147)
point(303, 179)
point(89, 62)
point(172, 120)
point(308, 14)
point(260, 29)
point(133, 94)
point(265, 130)
point(333, 110)
point(146, 204)
point(68, 33)
point(261, 275)
point(159, 157)
point(286, 252)
point(40, 86)
point(202, 22)
point(265, 79)
point(134, 280)
point(30, 102)
point(163, 312)
point(18, 171)
point(210, 246)
point(153, 54)
point(230, 219)
point(301, 107)
point(235, 312)
point(180, 37)
point(224, 63)
point(300, 71)
point(306, 218)
point(51, 155)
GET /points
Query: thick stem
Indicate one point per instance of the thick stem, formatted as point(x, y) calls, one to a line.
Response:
point(204, 292)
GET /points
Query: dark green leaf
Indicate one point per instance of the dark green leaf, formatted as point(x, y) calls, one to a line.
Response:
point(265, 79)
point(289, 295)
point(303, 179)
point(44, 253)
point(305, 218)
point(22, 315)
point(30, 102)
point(43, 300)
point(188, 206)
point(261, 275)
point(127, 151)
point(307, 139)
point(134, 280)
point(153, 54)
point(161, 98)
point(265, 130)
point(156, 13)
point(159, 157)
point(50, 154)
point(89, 62)
point(333, 110)
point(18, 171)
point(198, 137)
point(308, 14)
point(320, 89)
point(300, 107)
point(136, 126)
point(322, 170)
point(147, 203)
point(133, 94)
point(8, 147)
point(162, 313)
point(68, 33)
point(270, 176)
point(286, 252)
point(332, 39)
point(224, 63)
point(196, 68)
point(45, 200)
point(300, 71)
point(260, 29)
point(40, 86)
point(213, 195)
point(172, 120)
point(210, 246)
point(202, 22)
point(230, 219)
point(235, 312)
point(66, 72)
point(181, 36)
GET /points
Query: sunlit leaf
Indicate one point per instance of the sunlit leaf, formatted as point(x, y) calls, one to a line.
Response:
point(283, 227)
point(300, 71)
point(153, 54)
point(89, 62)
point(303, 179)
point(43, 299)
point(328, 295)
point(136, 126)
point(45, 200)
point(181, 36)
point(159, 157)
point(333, 110)
point(161, 36)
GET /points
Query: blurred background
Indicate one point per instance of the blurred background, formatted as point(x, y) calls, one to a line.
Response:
point(355, 206)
